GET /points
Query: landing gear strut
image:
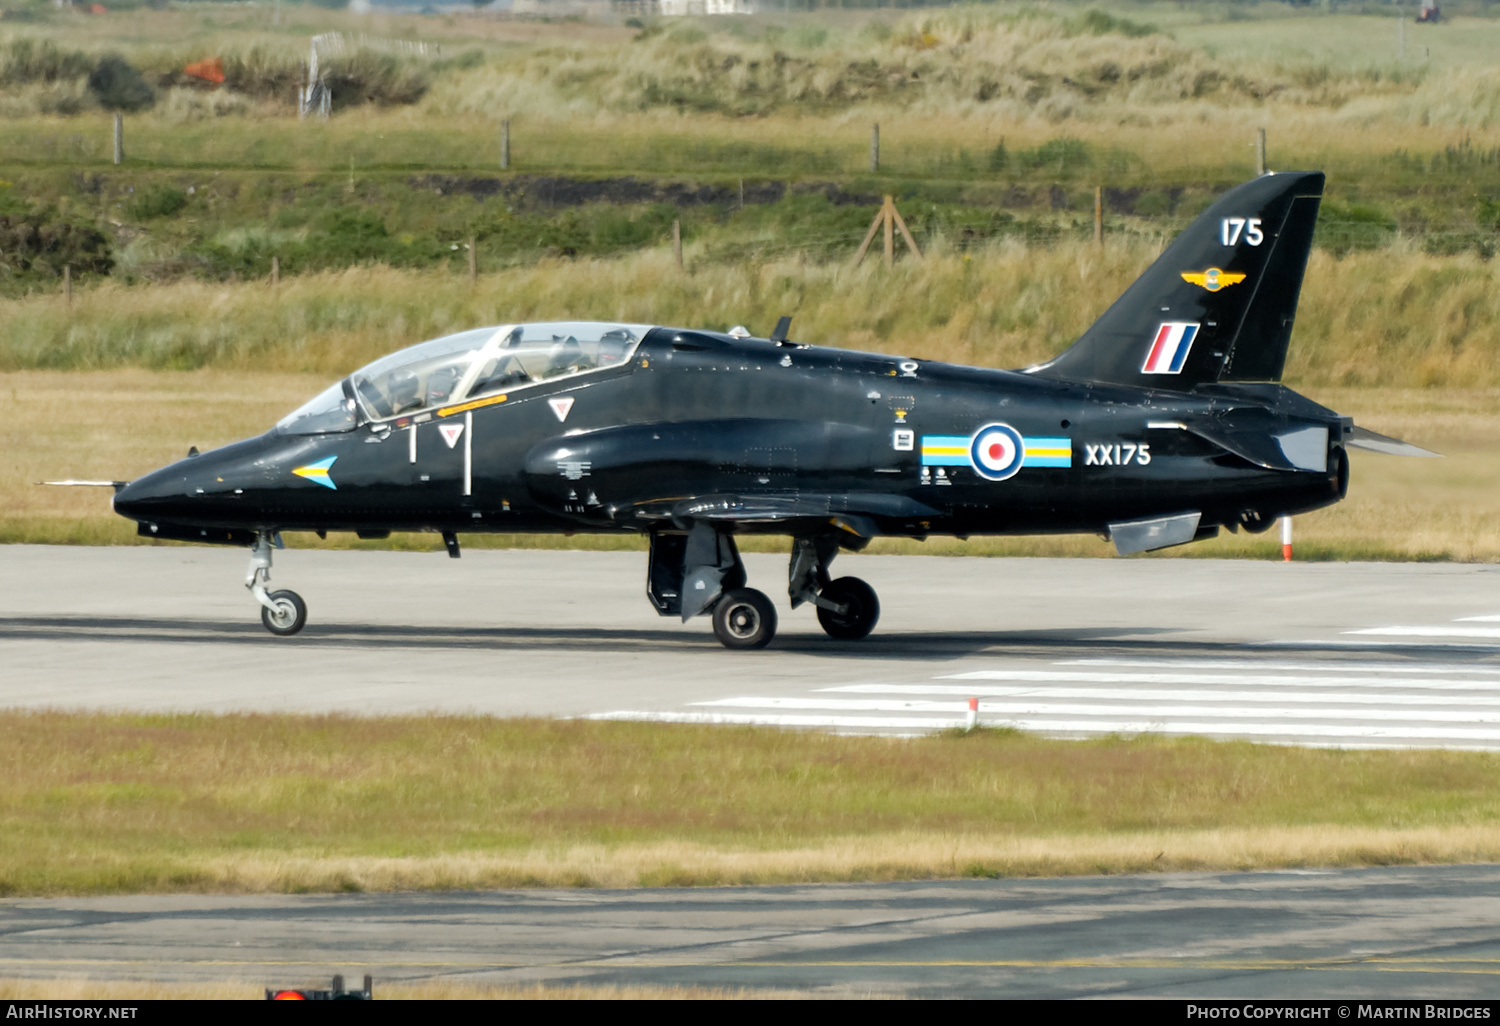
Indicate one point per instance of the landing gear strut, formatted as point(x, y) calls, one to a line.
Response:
point(847, 608)
point(283, 612)
point(699, 570)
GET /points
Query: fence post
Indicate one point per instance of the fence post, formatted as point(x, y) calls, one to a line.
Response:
point(473, 263)
point(1099, 214)
point(890, 231)
point(68, 285)
point(677, 240)
point(119, 138)
point(275, 272)
point(875, 147)
point(505, 145)
point(1260, 151)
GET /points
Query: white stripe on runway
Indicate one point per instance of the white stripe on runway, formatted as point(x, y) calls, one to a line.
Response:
point(1156, 714)
point(1478, 619)
point(1327, 733)
point(1273, 680)
point(1297, 644)
point(774, 720)
point(1256, 664)
point(1430, 632)
point(1287, 697)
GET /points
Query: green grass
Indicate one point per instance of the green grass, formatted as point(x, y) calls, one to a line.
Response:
point(114, 803)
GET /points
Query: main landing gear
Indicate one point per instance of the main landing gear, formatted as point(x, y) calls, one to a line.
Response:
point(700, 571)
point(847, 607)
point(283, 612)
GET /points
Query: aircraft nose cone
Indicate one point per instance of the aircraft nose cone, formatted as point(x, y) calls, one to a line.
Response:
point(148, 496)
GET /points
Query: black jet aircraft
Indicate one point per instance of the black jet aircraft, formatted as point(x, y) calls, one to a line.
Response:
point(1162, 424)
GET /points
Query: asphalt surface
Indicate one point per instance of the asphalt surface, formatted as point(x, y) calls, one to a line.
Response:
point(1323, 654)
point(1326, 654)
point(1374, 933)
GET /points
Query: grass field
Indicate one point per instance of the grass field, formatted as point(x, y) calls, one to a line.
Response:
point(124, 803)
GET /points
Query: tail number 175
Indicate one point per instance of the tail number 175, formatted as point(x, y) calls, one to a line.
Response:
point(1230, 229)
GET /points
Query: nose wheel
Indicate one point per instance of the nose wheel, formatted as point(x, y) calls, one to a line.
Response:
point(286, 615)
point(282, 612)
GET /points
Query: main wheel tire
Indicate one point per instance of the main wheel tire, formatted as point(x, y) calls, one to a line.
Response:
point(862, 609)
point(289, 616)
point(744, 618)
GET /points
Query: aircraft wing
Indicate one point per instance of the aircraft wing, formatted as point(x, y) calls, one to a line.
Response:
point(856, 513)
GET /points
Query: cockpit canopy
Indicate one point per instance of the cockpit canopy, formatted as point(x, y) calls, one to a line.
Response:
point(468, 365)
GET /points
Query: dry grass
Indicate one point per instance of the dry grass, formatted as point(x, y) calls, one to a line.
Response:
point(119, 803)
point(1393, 318)
point(1330, 87)
point(872, 857)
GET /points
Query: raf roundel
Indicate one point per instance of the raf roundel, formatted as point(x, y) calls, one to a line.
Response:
point(997, 451)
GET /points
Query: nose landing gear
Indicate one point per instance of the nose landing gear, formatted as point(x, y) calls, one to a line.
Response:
point(282, 612)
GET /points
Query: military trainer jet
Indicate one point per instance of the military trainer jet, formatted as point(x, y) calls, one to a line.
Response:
point(1163, 423)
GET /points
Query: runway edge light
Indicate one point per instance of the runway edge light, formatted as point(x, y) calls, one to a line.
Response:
point(334, 993)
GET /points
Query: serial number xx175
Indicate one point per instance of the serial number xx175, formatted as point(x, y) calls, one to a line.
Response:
point(1117, 455)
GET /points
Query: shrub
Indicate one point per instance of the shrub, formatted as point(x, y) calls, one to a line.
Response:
point(156, 201)
point(24, 61)
point(118, 86)
point(369, 77)
point(36, 243)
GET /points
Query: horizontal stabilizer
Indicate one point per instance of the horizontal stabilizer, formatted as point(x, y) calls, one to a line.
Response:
point(1374, 441)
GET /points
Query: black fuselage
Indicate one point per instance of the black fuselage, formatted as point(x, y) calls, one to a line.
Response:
point(788, 435)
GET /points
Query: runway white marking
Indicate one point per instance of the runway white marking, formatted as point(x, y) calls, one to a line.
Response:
point(1367, 703)
point(1343, 702)
point(1356, 705)
point(1430, 632)
point(1009, 709)
point(1307, 734)
point(1205, 678)
point(1256, 664)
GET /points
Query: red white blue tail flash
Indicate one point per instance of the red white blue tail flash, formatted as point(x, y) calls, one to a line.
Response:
point(1170, 349)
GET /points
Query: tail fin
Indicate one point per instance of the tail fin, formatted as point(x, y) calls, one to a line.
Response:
point(1218, 304)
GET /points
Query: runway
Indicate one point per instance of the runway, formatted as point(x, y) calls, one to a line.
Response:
point(1321, 654)
point(1316, 654)
point(1355, 934)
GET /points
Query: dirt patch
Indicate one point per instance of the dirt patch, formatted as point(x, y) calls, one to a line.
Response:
point(538, 191)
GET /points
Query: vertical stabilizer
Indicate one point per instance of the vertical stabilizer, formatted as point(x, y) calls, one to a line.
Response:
point(1218, 305)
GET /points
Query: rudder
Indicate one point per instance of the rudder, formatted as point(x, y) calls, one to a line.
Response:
point(1218, 304)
